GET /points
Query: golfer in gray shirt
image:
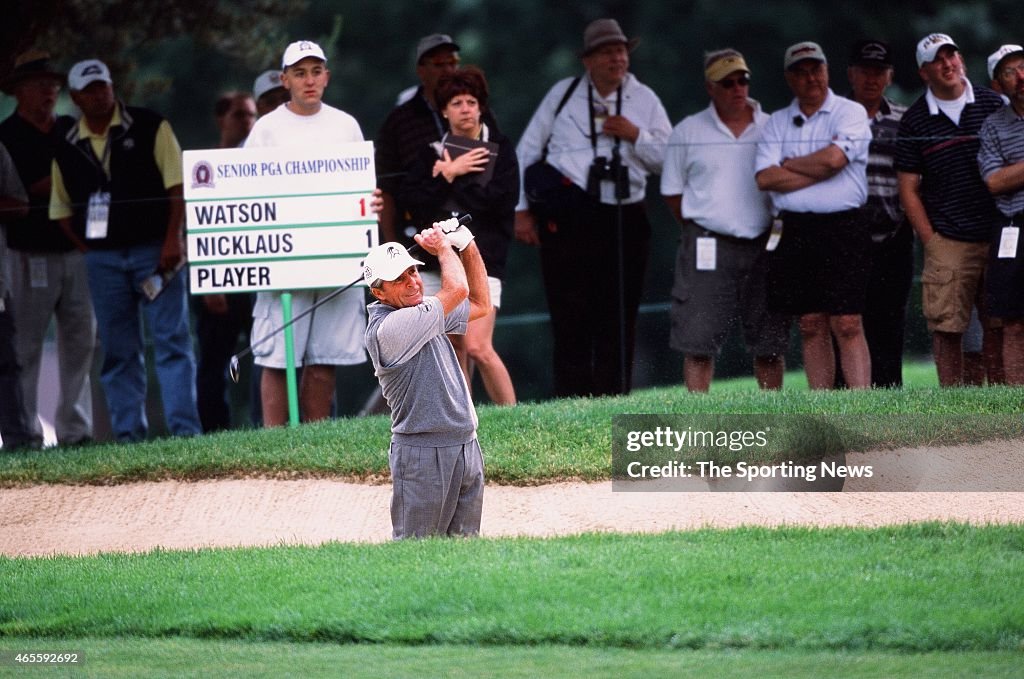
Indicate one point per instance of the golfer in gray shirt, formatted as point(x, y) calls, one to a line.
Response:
point(436, 462)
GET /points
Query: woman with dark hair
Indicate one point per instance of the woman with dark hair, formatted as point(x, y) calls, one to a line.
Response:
point(449, 180)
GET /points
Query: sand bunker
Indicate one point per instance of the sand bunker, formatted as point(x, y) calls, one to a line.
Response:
point(46, 520)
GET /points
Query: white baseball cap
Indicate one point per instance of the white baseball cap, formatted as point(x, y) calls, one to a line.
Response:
point(386, 262)
point(299, 50)
point(86, 72)
point(803, 50)
point(999, 55)
point(930, 46)
point(266, 81)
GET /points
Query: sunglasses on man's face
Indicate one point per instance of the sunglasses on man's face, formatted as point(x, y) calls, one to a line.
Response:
point(729, 83)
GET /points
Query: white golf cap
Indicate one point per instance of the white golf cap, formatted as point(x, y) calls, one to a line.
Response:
point(86, 72)
point(803, 50)
point(299, 50)
point(266, 81)
point(386, 262)
point(999, 55)
point(930, 46)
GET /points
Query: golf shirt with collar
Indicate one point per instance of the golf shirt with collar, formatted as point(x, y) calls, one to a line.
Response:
point(714, 171)
point(570, 150)
point(789, 134)
point(1002, 145)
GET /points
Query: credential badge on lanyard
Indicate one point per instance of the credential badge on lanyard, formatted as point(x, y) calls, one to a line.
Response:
point(776, 235)
point(706, 253)
point(1008, 242)
point(98, 216)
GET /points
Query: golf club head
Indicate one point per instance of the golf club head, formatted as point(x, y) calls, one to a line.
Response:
point(233, 369)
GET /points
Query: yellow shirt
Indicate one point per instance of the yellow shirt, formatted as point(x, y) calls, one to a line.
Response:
point(166, 153)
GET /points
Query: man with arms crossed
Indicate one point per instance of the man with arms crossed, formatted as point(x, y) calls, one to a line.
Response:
point(1001, 161)
point(436, 463)
point(812, 157)
point(721, 268)
point(946, 200)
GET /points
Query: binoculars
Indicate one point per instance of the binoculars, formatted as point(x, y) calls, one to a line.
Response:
point(603, 169)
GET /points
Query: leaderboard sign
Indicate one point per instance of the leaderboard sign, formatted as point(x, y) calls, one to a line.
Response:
point(266, 219)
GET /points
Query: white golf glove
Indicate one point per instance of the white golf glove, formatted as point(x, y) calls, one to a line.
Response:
point(460, 238)
point(449, 225)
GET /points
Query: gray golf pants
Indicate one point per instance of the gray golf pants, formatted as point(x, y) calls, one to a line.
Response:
point(437, 491)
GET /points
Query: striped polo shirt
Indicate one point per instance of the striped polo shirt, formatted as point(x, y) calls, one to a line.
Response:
point(1002, 144)
point(945, 154)
point(883, 188)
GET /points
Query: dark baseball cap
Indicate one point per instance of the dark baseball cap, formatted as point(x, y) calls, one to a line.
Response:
point(870, 53)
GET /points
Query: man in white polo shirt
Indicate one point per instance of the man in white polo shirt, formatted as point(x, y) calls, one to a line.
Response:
point(722, 266)
point(812, 158)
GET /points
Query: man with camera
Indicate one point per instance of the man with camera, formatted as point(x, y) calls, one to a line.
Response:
point(812, 159)
point(604, 133)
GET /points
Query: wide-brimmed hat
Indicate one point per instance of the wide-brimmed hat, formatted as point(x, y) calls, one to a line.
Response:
point(31, 64)
point(386, 262)
point(601, 32)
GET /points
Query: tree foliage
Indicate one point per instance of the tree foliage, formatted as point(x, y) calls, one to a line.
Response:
point(118, 29)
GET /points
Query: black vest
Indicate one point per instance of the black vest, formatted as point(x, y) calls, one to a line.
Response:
point(138, 199)
point(32, 152)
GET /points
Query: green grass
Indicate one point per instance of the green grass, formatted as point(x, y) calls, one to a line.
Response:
point(922, 588)
point(931, 600)
point(534, 442)
point(179, 657)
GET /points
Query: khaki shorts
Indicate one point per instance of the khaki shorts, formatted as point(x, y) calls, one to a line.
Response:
point(331, 335)
point(951, 282)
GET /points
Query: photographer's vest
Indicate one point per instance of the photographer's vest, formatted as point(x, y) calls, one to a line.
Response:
point(138, 199)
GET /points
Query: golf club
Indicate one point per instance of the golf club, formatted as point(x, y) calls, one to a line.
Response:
point(233, 363)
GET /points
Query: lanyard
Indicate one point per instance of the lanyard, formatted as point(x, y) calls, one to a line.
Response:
point(590, 108)
point(101, 163)
point(438, 121)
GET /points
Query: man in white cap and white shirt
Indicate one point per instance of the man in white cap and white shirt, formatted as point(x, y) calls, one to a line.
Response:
point(435, 458)
point(947, 202)
point(331, 336)
point(1001, 162)
point(117, 192)
point(812, 158)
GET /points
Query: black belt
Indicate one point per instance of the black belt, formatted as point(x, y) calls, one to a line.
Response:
point(819, 215)
point(721, 236)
